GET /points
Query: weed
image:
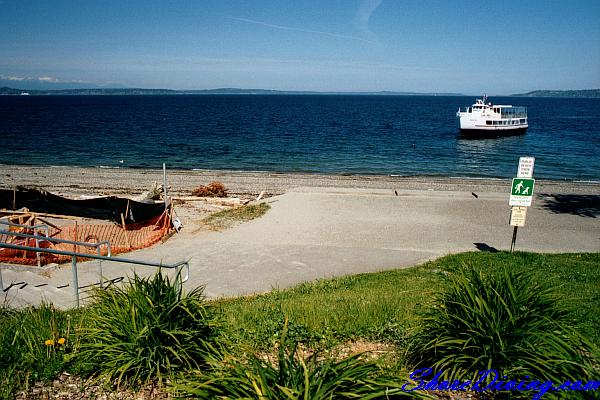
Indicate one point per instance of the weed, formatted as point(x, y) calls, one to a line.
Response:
point(36, 343)
point(291, 376)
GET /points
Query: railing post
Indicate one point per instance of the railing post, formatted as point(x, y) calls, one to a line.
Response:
point(100, 268)
point(75, 280)
point(1, 283)
point(178, 285)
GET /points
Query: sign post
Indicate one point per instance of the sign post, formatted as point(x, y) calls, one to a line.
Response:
point(521, 196)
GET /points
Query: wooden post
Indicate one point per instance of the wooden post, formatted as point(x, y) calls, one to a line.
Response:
point(14, 197)
point(125, 231)
point(165, 184)
point(127, 209)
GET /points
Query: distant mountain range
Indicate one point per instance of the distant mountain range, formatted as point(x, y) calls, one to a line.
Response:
point(591, 93)
point(137, 91)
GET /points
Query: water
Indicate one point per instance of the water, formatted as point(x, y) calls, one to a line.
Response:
point(393, 135)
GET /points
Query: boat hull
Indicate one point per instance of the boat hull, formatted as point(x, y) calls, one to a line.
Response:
point(493, 132)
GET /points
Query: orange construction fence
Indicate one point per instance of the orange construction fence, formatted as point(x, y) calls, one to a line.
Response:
point(133, 237)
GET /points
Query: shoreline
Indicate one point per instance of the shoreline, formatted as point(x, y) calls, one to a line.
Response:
point(75, 181)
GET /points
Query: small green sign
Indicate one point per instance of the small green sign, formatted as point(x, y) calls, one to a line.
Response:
point(522, 187)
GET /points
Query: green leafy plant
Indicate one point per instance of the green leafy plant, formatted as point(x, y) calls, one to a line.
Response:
point(36, 343)
point(291, 376)
point(501, 320)
point(147, 331)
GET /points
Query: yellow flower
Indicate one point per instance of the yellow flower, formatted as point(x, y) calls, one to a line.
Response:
point(61, 340)
point(49, 342)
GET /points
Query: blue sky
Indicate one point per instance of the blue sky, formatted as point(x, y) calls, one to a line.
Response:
point(471, 47)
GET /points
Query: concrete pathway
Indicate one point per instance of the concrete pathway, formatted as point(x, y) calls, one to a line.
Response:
point(313, 233)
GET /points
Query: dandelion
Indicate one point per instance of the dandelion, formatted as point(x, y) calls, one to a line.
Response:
point(61, 340)
point(49, 342)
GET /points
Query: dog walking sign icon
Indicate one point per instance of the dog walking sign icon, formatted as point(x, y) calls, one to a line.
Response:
point(521, 192)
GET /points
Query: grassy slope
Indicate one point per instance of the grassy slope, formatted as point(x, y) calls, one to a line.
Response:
point(386, 305)
point(382, 306)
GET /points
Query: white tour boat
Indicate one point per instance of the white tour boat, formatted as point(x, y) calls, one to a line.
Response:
point(485, 118)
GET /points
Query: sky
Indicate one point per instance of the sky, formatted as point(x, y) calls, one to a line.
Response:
point(469, 47)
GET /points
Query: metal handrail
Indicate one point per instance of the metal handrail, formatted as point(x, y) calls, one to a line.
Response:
point(35, 232)
point(93, 256)
point(178, 266)
point(56, 240)
point(34, 227)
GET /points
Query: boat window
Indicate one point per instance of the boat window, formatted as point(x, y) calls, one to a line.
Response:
point(469, 109)
point(513, 112)
point(488, 122)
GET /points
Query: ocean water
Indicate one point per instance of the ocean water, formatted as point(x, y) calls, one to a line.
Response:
point(337, 134)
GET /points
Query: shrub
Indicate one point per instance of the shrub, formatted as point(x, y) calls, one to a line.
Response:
point(501, 320)
point(290, 376)
point(147, 331)
point(214, 189)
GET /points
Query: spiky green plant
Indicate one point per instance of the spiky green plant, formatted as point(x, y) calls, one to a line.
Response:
point(290, 377)
point(35, 343)
point(147, 331)
point(504, 321)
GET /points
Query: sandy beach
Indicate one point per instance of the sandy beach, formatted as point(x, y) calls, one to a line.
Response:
point(73, 181)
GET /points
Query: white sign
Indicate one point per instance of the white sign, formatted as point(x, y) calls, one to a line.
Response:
point(517, 216)
point(525, 167)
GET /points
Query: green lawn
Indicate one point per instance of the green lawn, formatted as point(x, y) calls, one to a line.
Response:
point(386, 306)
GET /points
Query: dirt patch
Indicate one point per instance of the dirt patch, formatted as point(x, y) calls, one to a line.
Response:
point(69, 387)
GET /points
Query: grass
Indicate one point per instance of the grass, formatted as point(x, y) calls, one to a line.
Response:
point(228, 218)
point(382, 306)
point(386, 306)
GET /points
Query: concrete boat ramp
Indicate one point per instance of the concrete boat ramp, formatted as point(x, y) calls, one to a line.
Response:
point(313, 233)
